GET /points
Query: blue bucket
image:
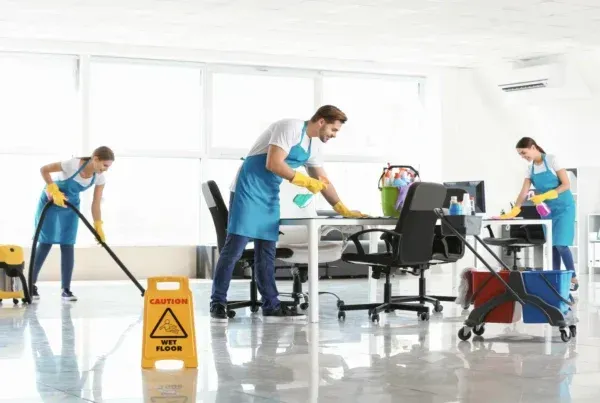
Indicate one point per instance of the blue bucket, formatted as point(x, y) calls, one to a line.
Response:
point(535, 285)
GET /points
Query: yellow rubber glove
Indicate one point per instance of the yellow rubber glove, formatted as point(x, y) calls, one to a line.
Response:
point(342, 210)
point(511, 214)
point(312, 184)
point(56, 195)
point(549, 195)
point(99, 230)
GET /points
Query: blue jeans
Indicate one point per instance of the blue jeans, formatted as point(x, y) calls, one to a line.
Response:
point(264, 269)
point(563, 253)
point(67, 261)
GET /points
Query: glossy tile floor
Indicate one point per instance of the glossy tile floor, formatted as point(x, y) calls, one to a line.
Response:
point(91, 350)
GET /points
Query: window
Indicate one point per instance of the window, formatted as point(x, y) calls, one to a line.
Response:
point(151, 201)
point(22, 187)
point(223, 172)
point(244, 105)
point(39, 104)
point(384, 116)
point(345, 176)
point(145, 106)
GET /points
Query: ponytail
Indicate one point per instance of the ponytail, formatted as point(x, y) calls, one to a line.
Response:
point(527, 142)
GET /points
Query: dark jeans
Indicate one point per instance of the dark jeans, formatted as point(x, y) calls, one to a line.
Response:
point(264, 268)
point(67, 261)
point(563, 253)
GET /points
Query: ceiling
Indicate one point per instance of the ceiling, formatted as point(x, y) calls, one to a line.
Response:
point(432, 32)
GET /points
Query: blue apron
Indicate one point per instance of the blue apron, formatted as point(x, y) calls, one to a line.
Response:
point(562, 208)
point(255, 208)
point(60, 223)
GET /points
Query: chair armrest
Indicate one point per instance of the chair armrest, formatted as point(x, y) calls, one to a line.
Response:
point(359, 248)
point(489, 228)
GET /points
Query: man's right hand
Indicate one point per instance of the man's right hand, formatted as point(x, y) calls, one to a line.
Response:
point(312, 184)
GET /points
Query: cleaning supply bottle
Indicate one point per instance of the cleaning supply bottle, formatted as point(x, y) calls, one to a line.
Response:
point(398, 181)
point(543, 209)
point(466, 204)
point(455, 208)
point(472, 201)
point(387, 180)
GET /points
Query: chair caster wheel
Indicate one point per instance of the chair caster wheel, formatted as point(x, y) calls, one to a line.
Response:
point(375, 317)
point(340, 303)
point(573, 330)
point(231, 314)
point(463, 334)
point(342, 315)
point(424, 316)
point(304, 306)
point(15, 301)
point(564, 336)
point(438, 307)
point(479, 330)
point(370, 312)
point(254, 309)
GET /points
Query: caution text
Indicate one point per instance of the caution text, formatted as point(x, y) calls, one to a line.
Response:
point(169, 301)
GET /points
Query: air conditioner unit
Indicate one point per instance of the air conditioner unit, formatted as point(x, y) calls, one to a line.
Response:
point(542, 82)
point(532, 78)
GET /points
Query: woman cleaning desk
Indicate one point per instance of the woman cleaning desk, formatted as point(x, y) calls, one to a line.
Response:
point(553, 188)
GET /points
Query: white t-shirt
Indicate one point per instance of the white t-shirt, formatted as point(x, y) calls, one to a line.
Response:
point(69, 167)
point(552, 162)
point(286, 134)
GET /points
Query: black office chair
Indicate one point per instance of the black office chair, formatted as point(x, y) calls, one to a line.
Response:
point(520, 236)
point(445, 249)
point(220, 216)
point(410, 246)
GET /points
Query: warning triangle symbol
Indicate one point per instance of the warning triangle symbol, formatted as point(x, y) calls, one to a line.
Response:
point(168, 327)
point(165, 399)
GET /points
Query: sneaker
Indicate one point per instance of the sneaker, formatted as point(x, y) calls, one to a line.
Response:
point(34, 293)
point(283, 314)
point(218, 313)
point(67, 295)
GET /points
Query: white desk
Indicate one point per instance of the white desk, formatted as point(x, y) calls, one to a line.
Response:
point(313, 225)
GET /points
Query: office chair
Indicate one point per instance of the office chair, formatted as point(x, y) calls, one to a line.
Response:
point(410, 247)
point(445, 249)
point(520, 236)
point(220, 216)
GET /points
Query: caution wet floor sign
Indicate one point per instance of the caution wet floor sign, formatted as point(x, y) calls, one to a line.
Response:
point(169, 323)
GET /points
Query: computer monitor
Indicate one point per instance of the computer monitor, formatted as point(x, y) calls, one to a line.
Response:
point(475, 189)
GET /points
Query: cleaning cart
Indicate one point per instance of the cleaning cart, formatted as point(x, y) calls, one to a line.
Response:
point(543, 295)
point(393, 185)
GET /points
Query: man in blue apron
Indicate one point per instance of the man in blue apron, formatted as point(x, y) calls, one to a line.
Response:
point(552, 187)
point(254, 212)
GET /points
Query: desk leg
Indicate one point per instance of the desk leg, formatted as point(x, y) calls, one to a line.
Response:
point(548, 246)
point(313, 270)
point(373, 248)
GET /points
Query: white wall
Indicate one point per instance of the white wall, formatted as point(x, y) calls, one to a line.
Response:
point(95, 263)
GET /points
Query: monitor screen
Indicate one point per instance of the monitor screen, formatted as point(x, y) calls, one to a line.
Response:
point(475, 189)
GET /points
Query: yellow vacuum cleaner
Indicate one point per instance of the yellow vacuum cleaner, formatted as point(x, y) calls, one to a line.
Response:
point(13, 263)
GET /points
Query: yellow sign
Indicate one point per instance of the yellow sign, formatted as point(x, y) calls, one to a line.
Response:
point(169, 332)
